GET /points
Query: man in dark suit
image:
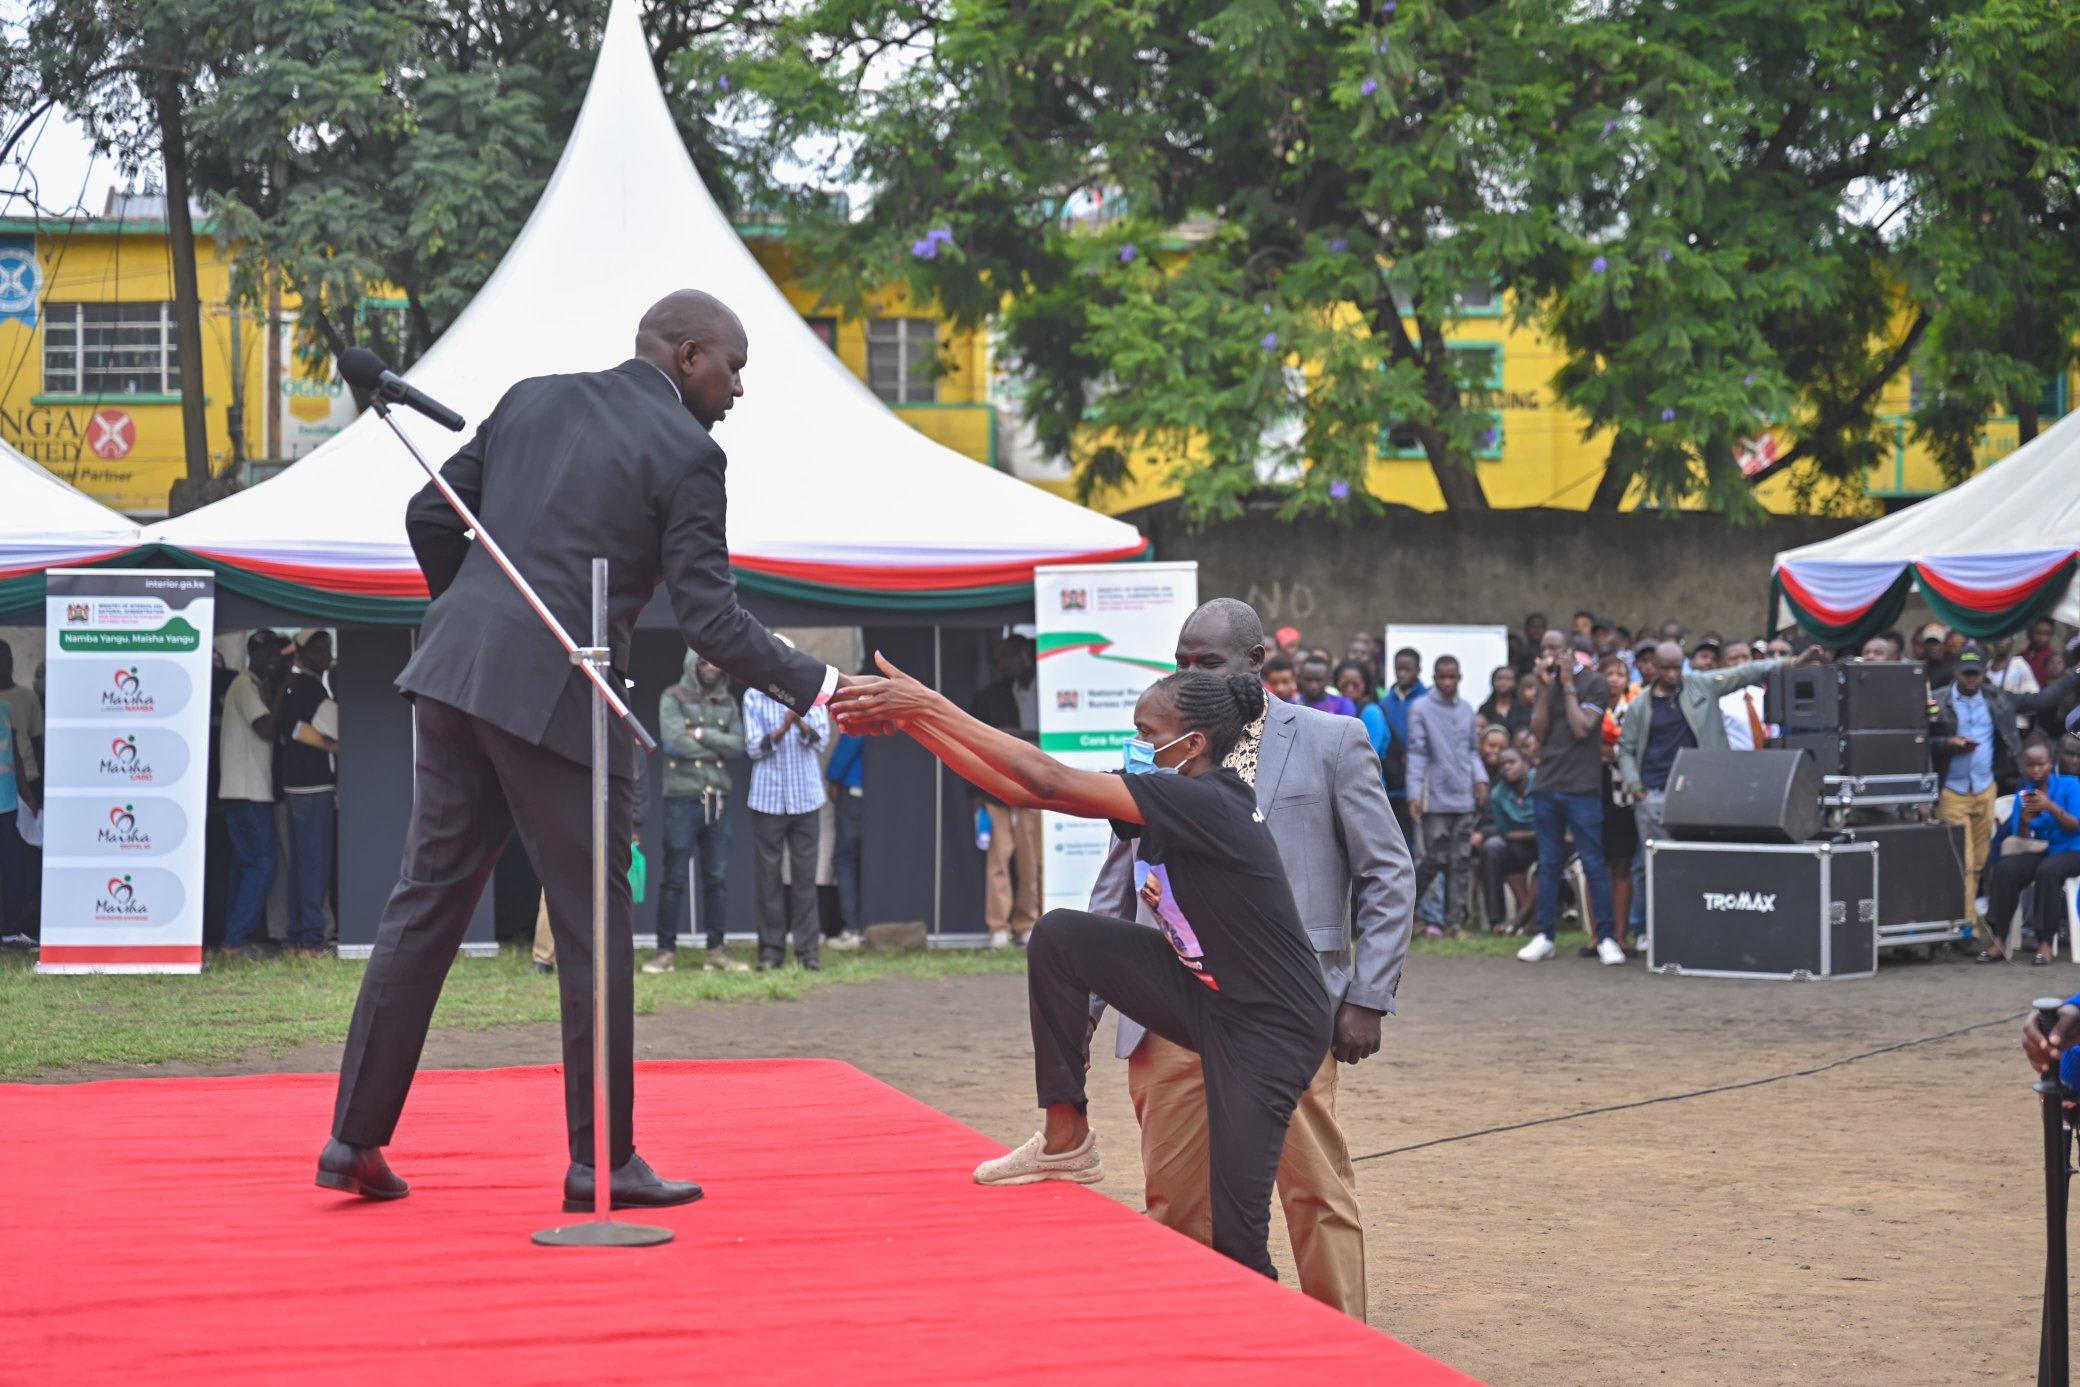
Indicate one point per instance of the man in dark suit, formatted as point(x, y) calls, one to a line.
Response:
point(616, 464)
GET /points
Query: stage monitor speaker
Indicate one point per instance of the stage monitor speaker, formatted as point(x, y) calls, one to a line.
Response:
point(1862, 754)
point(1804, 697)
point(1743, 796)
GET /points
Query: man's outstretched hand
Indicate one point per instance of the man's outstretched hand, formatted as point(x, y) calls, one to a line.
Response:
point(847, 709)
point(1357, 1033)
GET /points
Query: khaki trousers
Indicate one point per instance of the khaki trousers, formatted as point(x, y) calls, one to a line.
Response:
point(544, 941)
point(1316, 1185)
point(1975, 813)
point(1014, 833)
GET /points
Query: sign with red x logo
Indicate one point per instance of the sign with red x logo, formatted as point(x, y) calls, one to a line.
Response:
point(111, 433)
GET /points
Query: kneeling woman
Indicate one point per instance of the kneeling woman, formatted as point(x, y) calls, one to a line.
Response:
point(1231, 974)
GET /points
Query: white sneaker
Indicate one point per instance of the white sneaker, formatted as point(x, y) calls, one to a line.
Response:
point(843, 943)
point(1000, 939)
point(1610, 951)
point(1538, 950)
point(1030, 1164)
point(663, 961)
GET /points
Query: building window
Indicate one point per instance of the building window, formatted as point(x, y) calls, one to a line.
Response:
point(900, 356)
point(826, 330)
point(1476, 298)
point(1479, 368)
point(110, 349)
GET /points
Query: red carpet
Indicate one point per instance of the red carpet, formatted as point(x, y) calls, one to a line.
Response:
point(167, 1230)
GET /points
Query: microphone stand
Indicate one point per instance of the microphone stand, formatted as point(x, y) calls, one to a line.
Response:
point(2051, 1091)
point(596, 662)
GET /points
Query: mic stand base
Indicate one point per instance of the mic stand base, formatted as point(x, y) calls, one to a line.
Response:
point(603, 1235)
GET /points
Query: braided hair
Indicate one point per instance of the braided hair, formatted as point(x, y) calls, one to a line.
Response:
point(1219, 707)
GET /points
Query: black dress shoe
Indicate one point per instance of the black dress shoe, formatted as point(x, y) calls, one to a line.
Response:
point(636, 1186)
point(359, 1170)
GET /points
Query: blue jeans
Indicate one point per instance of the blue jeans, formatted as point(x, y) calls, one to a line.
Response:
point(254, 850)
point(852, 812)
point(684, 836)
point(1554, 815)
point(312, 821)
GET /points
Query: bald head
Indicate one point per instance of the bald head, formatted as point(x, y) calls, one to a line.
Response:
point(695, 340)
point(1223, 637)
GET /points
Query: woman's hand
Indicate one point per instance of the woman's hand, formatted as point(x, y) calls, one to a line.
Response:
point(881, 704)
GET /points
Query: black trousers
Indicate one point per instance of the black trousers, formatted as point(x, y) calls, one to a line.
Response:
point(786, 908)
point(1256, 1065)
point(1500, 860)
point(472, 786)
point(2008, 875)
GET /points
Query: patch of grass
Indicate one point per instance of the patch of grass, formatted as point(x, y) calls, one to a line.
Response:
point(1490, 945)
point(64, 1024)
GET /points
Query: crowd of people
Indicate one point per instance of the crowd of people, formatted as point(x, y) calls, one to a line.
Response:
point(1544, 791)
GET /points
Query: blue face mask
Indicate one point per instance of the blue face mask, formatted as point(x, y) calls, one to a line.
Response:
point(1139, 757)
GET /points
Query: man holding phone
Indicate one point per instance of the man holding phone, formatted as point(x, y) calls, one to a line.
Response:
point(1978, 752)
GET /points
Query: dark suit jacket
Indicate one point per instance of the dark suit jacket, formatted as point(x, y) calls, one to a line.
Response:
point(568, 468)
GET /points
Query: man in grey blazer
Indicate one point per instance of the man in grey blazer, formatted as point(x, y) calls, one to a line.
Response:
point(614, 464)
point(1318, 784)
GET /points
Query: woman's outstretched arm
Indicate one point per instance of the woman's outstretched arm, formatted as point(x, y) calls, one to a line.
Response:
point(1016, 772)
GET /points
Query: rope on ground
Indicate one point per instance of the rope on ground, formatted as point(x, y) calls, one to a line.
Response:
point(2007, 1020)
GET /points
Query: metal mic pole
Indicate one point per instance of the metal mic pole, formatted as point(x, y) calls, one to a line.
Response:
point(602, 1231)
point(2051, 1091)
point(597, 675)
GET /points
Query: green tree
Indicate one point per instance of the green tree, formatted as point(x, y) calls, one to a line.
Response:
point(1351, 173)
point(128, 69)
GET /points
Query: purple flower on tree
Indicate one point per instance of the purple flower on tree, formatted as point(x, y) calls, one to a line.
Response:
point(724, 79)
point(1338, 245)
point(1610, 125)
point(1668, 416)
point(1269, 342)
point(1386, 7)
point(1490, 438)
point(1127, 253)
point(1667, 255)
point(927, 249)
point(1367, 87)
point(1599, 264)
point(940, 234)
point(1340, 490)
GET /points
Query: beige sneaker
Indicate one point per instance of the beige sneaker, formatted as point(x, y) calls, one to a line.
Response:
point(663, 961)
point(720, 961)
point(843, 943)
point(1030, 1164)
point(1000, 939)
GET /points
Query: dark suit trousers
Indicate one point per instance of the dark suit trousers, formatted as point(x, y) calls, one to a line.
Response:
point(472, 786)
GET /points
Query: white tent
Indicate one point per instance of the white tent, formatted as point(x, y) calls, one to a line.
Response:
point(826, 484)
point(44, 523)
point(1987, 547)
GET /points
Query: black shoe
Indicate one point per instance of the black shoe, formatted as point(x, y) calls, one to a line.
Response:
point(636, 1186)
point(1989, 956)
point(544, 968)
point(2041, 960)
point(359, 1170)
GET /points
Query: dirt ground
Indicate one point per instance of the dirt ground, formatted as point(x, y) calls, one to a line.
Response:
point(1879, 1223)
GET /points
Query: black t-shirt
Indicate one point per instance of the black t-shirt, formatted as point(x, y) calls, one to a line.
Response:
point(1223, 900)
point(1515, 720)
point(302, 767)
point(1569, 764)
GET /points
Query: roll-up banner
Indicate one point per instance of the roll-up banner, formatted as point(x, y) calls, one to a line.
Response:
point(1105, 632)
point(126, 769)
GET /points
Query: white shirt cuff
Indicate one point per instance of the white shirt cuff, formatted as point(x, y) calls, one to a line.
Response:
point(830, 686)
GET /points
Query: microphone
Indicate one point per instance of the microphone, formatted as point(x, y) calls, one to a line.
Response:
point(365, 371)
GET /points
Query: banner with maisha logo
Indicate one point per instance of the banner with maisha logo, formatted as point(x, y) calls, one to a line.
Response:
point(1105, 632)
point(126, 769)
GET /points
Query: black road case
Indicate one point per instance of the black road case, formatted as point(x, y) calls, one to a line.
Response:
point(1762, 910)
point(1921, 883)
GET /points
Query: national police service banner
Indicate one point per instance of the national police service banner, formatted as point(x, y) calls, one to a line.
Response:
point(126, 769)
point(1105, 632)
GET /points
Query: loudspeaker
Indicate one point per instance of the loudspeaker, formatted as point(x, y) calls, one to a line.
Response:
point(1890, 697)
point(1804, 697)
point(1743, 796)
point(1854, 697)
point(1856, 754)
point(1920, 872)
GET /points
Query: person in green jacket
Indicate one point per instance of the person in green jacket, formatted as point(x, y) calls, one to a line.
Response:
point(700, 729)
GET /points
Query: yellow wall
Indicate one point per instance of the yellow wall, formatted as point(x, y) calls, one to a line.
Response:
point(86, 263)
point(1547, 461)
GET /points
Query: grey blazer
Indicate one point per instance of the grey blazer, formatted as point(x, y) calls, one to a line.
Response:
point(1319, 786)
point(565, 468)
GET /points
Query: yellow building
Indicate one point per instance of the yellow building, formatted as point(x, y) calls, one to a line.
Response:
point(92, 383)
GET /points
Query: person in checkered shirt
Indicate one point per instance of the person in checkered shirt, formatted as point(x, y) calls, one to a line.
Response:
point(786, 751)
